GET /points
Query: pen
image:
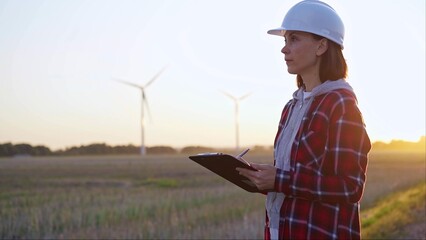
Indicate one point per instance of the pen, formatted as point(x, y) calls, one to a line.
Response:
point(240, 156)
point(243, 153)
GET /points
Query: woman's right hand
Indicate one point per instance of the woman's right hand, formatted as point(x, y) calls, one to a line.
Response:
point(263, 178)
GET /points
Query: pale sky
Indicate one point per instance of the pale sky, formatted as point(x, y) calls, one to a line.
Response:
point(58, 58)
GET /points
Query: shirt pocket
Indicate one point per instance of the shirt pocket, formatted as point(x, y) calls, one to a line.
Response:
point(311, 151)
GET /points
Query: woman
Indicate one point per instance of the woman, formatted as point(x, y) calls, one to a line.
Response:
point(320, 156)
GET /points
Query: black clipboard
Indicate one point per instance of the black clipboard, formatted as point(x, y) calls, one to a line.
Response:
point(224, 165)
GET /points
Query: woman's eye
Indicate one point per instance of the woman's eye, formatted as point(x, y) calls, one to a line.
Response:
point(290, 39)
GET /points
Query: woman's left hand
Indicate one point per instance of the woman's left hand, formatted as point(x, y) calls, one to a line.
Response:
point(263, 178)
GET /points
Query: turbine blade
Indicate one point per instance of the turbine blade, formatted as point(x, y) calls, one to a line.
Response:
point(145, 101)
point(155, 77)
point(127, 83)
point(245, 96)
point(229, 95)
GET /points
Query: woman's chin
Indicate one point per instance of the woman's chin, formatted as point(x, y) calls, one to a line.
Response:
point(289, 70)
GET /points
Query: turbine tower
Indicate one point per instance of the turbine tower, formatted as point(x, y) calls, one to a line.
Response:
point(144, 101)
point(237, 113)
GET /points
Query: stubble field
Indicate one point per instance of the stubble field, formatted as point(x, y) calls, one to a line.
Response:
point(155, 197)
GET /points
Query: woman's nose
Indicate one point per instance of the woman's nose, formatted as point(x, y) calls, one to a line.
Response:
point(284, 50)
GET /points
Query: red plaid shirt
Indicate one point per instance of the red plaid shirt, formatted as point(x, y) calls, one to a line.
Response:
point(327, 171)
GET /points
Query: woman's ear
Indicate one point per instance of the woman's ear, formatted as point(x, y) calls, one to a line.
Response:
point(322, 46)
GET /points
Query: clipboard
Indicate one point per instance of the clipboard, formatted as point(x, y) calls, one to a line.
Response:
point(224, 165)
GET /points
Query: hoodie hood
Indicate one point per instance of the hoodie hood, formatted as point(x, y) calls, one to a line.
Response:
point(325, 87)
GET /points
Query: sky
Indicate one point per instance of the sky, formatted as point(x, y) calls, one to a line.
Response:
point(58, 59)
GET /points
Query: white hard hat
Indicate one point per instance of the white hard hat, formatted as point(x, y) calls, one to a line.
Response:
point(314, 17)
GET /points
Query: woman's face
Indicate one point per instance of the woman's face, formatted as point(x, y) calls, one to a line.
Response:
point(300, 52)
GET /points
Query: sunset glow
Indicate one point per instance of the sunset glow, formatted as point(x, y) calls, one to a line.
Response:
point(58, 59)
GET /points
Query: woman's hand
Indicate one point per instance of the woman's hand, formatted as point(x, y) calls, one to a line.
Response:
point(263, 178)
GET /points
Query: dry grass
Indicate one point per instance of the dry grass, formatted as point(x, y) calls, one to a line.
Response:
point(156, 197)
point(395, 216)
point(392, 171)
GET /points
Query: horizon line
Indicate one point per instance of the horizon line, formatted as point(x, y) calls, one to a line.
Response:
point(421, 138)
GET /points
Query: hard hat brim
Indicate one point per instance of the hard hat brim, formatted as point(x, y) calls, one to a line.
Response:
point(277, 31)
point(281, 32)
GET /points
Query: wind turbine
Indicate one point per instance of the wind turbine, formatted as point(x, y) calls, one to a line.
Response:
point(144, 101)
point(237, 113)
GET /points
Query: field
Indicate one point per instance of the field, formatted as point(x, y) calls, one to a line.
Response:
point(155, 197)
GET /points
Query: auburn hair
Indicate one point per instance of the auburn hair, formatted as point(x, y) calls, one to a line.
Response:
point(332, 66)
